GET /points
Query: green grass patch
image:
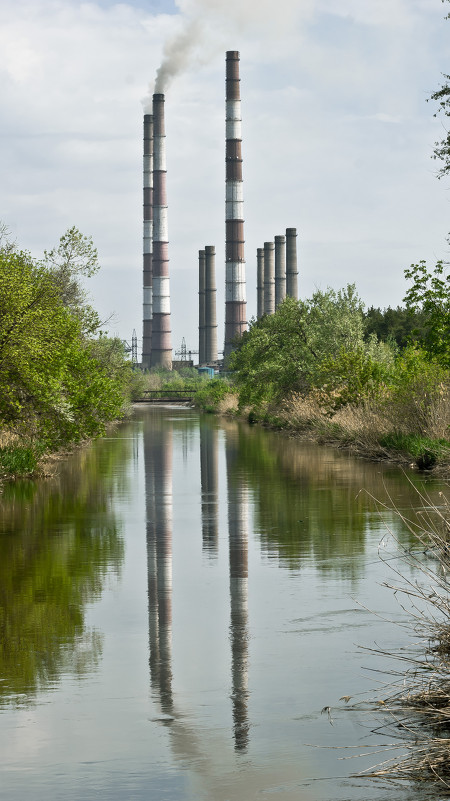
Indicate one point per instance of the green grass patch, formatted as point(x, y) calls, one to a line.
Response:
point(19, 461)
point(426, 452)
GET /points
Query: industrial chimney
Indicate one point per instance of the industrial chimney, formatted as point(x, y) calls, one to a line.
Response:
point(280, 270)
point(235, 294)
point(161, 333)
point(147, 243)
point(291, 263)
point(260, 282)
point(269, 277)
point(201, 307)
point(210, 305)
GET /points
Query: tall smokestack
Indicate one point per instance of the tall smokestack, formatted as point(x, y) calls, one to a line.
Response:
point(291, 263)
point(269, 277)
point(210, 305)
point(147, 243)
point(161, 333)
point(260, 282)
point(280, 270)
point(235, 294)
point(201, 306)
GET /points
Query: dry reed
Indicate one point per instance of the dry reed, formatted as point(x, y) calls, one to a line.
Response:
point(418, 701)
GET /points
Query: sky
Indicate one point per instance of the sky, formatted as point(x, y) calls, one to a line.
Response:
point(337, 139)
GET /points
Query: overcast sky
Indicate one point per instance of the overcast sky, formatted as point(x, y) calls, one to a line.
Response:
point(337, 138)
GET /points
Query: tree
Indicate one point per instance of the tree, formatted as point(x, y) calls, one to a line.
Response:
point(429, 296)
point(442, 148)
point(57, 383)
point(75, 258)
point(285, 352)
point(398, 325)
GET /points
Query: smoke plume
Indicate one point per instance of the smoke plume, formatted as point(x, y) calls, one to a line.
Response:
point(220, 21)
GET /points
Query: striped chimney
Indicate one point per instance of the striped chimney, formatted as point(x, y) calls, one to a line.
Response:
point(210, 305)
point(260, 282)
point(269, 277)
point(235, 289)
point(291, 263)
point(147, 242)
point(280, 270)
point(161, 333)
point(201, 306)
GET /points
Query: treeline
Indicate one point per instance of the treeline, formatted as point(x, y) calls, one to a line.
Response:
point(377, 381)
point(61, 378)
point(400, 325)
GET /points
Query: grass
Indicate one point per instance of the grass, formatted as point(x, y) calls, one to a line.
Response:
point(19, 461)
point(425, 451)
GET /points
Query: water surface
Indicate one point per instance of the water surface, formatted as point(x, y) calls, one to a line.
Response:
point(180, 602)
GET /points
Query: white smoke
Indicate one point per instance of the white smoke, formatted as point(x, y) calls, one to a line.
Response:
point(219, 20)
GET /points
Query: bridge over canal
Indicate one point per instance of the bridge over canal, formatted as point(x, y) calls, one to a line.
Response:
point(167, 396)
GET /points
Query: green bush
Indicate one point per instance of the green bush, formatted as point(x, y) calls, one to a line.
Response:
point(209, 396)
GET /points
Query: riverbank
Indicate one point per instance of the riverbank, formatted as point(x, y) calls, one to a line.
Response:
point(369, 430)
point(23, 458)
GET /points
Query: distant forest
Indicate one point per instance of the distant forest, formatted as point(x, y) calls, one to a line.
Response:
point(399, 325)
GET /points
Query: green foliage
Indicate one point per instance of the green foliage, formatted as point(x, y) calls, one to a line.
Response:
point(286, 352)
point(417, 389)
point(430, 296)
point(57, 383)
point(351, 376)
point(425, 451)
point(211, 393)
point(19, 460)
point(75, 258)
point(400, 326)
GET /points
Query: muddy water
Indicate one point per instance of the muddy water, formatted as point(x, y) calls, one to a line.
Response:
point(180, 602)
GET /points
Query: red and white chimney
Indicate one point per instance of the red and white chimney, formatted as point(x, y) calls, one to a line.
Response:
point(161, 330)
point(235, 287)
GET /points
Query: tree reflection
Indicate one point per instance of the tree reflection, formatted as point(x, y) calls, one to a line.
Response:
point(311, 502)
point(59, 538)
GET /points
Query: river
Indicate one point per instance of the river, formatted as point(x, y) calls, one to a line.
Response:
point(181, 603)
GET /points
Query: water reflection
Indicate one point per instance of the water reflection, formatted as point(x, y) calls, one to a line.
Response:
point(209, 473)
point(158, 493)
point(58, 541)
point(315, 503)
point(237, 495)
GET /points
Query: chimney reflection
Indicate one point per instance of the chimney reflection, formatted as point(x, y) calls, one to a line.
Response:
point(238, 553)
point(209, 449)
point(158, 490)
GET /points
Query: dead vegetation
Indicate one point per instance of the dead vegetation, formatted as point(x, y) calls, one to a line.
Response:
point(417, 703)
